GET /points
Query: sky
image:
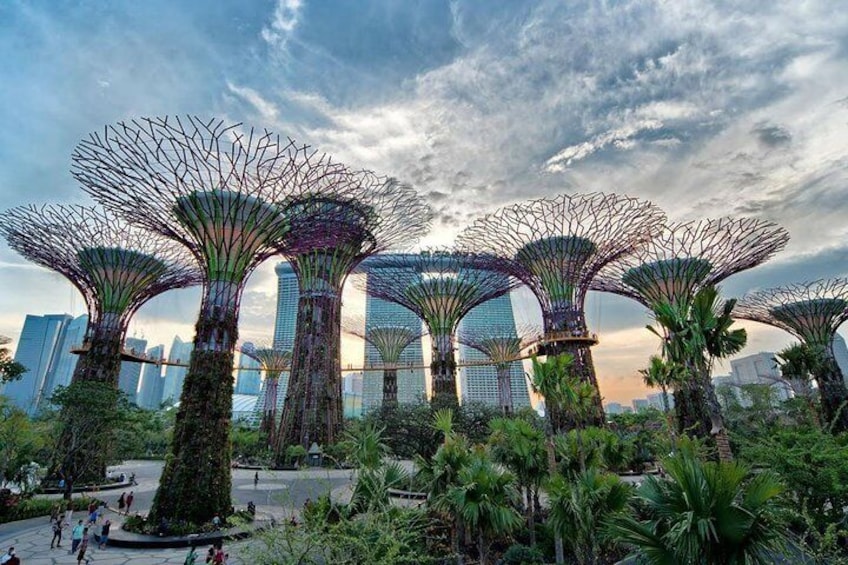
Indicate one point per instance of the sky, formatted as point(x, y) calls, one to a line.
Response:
point(705, 108)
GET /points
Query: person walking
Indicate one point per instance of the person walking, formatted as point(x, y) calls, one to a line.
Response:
point(8, 555)
point(256, 479)
point(104, 533)
point(122, 502)
point(129, 502)
point(210, 555)
point(76, 536)
point(83, 548)
point(191, 558)
point(57, 534)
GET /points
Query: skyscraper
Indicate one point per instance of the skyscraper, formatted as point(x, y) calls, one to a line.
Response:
point(175, 375)
point(152, 383)
point(840, 353)
point(130, 370)
point(63, 368)
point(480, 383)
point(37, 350)
point(288, 295)
point(410, 382)
point(248, 376)
point(758, 369)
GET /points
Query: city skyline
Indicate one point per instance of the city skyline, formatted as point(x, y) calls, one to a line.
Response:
point(704, 109)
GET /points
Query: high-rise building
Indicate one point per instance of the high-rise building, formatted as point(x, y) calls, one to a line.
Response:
point(152, 383)
point(352, 383)
point(840, 353)
point(37, 350)
point(248, 375)
point(640, 404)
point(66, 362)
point(179, 354)
point(480, 383)
point(128, 378)
point(758, 369)
point(411, 386)
point(612, 408)
point(285, 324)
point(655, 400)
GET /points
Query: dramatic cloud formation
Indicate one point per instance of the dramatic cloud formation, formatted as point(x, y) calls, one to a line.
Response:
point(708, 109)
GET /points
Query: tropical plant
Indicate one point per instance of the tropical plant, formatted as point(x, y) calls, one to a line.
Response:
point(664, 375)
point(550, 378)
point(20, 443)
point(364, 446)
point(715, 512)
point(521, 448)
point(10, 370)
point(484, 497)
point(580, 504)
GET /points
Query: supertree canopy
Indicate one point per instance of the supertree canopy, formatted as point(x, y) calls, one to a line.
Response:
point(441, 287)
point(390, 340)
point(273, 362)
point(669, 270)
point(215, 188)
point(503, 345)
point(812, 312)
point(334, 227)
point(556, 247)
point(117, 268)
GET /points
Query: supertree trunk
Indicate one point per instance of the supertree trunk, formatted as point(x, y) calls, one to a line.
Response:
point(834, 397)
point(390, 387)
point(504, 388)
point(195, 482)
point(443, 371)
point(313, 409)
point(269, 415)
point(84, 456)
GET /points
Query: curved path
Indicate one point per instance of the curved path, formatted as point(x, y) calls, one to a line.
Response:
point(278, 493)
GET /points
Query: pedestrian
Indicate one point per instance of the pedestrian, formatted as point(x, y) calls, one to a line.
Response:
point(191, 558)
point(83, 548)
point(69, 512)
point(92, 517)
point(129, 502)
point(219, 556)
point(14, 560)
point(210, 555)
point(7, 556)
point(122, 502)
point(104, 533)
point(216, 521)
point(57, 534)
point(54, 513)
point(256, 479)
point(76, 536)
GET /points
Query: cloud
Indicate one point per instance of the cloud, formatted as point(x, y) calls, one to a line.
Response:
point(283, 23)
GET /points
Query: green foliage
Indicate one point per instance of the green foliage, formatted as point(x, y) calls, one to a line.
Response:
point(718, 513)
point(518, 554)
point(364, 446)
point(392, 536)
point(580, 504)
point(144, 434)
point(10, 370)
point(250, 446)
point(20, 442)
point(13, 507)
point(295, 454)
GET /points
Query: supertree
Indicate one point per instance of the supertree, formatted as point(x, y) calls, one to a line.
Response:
point(503, 346)
point(273, 362)
point(116, 268)
point(666, 274)
point(441, 287)
point(812, 312)
point(335, 226)
point(556, 247)
point(389, 339)
point(214, 188)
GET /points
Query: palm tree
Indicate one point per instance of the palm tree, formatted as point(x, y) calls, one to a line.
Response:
point(521, 448)
point(664, 375)
point(484, 498)
point(365, 447)
point(580, 504)
point(714, 512)
point(798, 364)
point(695, 333)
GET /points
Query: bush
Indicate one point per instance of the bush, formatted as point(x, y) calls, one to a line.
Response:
point(13, 507)
point(518, 554)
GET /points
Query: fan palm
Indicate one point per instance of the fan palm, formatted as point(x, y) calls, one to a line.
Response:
point(580, 504)
point(521, 448)
point(718, 513)
point(484, 498)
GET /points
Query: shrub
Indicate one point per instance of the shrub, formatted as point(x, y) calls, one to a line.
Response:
point(14, 508)
point(518, 554)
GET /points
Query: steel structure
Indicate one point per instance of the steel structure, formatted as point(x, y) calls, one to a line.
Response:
point(556, 246)
point(336, 226)
point(812, 312)
point(389, 340)
point(273, 362)
point(502, 345)
point(214, 188)
point(116, 268)
point(441, 287)
point(670, 269)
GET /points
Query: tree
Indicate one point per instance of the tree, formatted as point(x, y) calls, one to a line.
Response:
point(19, 442)
point(715, 512)
point(580, 504)
point(520, 448)
point(483, 498)
point(10, 370)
